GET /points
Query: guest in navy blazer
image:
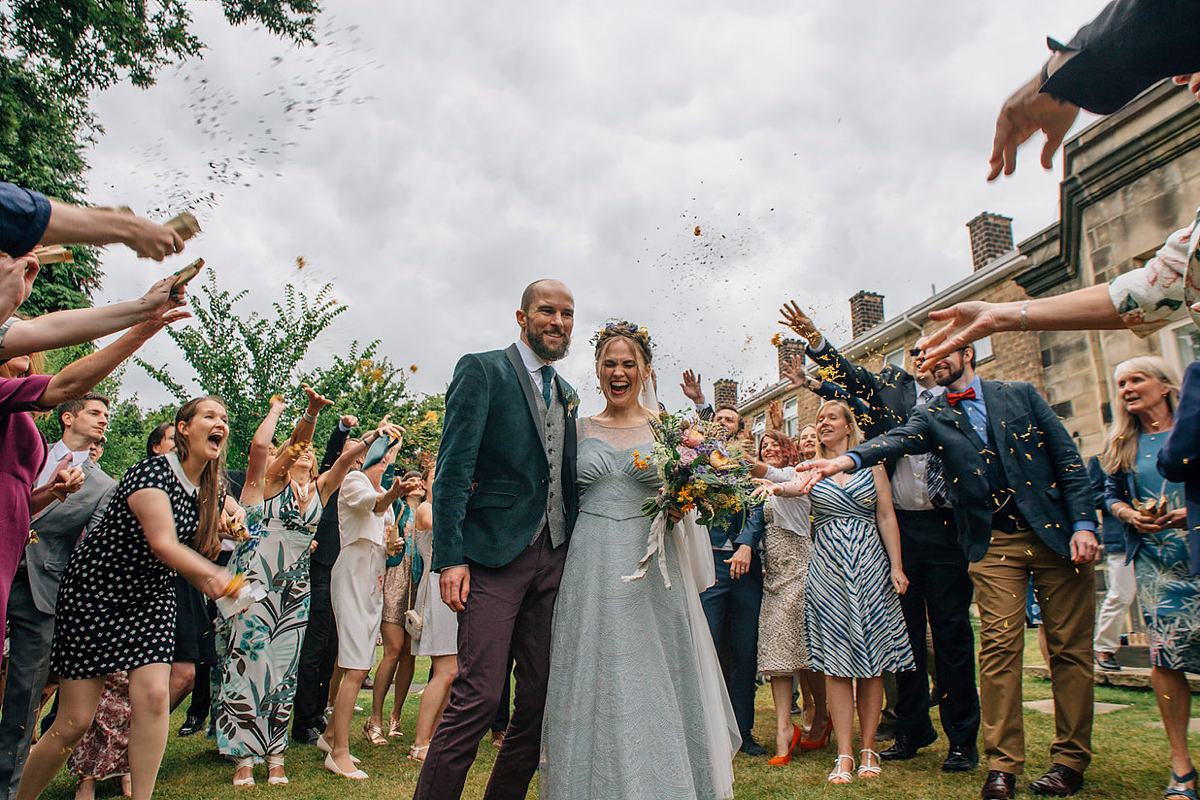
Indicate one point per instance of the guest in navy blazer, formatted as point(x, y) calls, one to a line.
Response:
point(735, 600)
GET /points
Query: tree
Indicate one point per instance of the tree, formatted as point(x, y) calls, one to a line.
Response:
point(128, 425)
point(245, 360)
point(128, 429)
point(40, 149)
point(369, 389)
point(55, 54)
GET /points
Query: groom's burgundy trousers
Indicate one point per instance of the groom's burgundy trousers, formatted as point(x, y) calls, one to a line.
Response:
point(507, 608)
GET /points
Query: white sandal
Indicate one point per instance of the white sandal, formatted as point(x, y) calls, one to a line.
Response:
point(839, 775)
point(417, 753)
point(243, 763)
point(865, 770)
point(275, 761)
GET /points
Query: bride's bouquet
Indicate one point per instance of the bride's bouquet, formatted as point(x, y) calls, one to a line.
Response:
point(701, 471)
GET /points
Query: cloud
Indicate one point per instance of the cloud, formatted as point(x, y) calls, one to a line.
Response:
point(431, 160)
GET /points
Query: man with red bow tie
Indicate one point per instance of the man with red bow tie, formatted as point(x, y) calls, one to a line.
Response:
point(1023, 508)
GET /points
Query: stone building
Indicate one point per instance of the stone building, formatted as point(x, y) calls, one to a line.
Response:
point(1130, 179)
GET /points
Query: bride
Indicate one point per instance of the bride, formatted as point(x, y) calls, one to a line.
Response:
point(636, 707)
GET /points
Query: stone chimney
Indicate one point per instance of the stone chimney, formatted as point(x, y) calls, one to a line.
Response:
point(788, 349)
point(725, 393)
point(991, 237)
point(866, 311)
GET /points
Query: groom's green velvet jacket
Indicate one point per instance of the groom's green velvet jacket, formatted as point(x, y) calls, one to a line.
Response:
point(489, 494)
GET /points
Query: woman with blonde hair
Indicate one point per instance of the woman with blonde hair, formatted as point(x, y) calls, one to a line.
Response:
point(855, 624)
point(283, 505)
point(634, 678)
point(1152, 509)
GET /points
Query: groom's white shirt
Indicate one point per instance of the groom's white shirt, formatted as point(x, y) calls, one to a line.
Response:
point(533, 363)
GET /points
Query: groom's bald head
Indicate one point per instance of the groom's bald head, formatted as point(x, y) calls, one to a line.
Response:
point(546, 317)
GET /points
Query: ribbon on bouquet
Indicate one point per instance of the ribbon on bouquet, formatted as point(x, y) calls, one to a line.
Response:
point(655, 542)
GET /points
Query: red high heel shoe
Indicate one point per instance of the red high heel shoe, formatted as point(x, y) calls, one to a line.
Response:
point(779, 761)
point(817, 744)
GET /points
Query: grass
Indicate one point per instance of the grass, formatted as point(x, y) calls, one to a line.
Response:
point(1130, 762)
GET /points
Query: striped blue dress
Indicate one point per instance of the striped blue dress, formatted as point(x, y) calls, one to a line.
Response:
point(855, 625)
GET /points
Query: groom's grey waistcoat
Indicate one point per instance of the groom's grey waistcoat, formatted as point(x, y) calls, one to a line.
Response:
point(554, 424)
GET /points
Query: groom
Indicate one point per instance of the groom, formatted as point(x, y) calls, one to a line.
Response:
point(504, 503)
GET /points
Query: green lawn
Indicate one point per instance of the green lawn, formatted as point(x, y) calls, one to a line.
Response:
point(1130, 762)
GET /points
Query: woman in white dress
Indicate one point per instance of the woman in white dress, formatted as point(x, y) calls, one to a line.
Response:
point(439, 632)
point(356, 586)
point(635, 707)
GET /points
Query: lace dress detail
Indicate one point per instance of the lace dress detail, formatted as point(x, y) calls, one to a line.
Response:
point(782, 631)
point(625, 712)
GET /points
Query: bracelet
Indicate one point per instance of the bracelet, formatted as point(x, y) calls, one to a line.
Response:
point(1045, 74)
point(312, 418)
point(1025, 316)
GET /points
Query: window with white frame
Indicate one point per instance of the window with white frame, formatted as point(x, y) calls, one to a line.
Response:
point(983, 349)
point(1180, 344)
point(790, 414)
point(760, 424)
point(895, 358)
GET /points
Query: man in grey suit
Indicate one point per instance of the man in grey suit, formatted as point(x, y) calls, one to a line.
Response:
point(53, 535)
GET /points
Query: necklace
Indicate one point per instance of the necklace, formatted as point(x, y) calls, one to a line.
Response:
point(300, 491)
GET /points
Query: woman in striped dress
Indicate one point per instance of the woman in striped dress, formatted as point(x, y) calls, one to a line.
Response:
point(855, 625)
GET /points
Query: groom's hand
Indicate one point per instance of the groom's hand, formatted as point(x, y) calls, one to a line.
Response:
point(455, 585)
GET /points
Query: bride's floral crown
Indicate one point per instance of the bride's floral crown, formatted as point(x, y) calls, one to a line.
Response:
point(626, 329)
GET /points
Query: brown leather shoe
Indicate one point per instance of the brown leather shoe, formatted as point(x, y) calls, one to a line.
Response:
point(999, 786)
point(1059, 781)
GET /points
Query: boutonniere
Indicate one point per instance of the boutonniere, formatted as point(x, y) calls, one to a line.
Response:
point(571, 399)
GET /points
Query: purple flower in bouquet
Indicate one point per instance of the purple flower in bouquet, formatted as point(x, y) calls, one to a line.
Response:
point(687, 455)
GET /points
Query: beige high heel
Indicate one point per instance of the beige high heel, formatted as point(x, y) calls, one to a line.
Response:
point(417, 753)
point(394, 728)
point(332, 766)
point(326, 748)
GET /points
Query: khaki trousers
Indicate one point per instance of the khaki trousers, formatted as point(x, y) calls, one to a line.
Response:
point(1066, 594)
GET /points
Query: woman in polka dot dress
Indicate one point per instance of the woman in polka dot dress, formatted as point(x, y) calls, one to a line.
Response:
point(116, 603)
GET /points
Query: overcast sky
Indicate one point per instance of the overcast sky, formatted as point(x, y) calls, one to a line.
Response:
point(430, 159)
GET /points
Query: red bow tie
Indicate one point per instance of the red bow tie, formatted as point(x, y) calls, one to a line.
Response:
point(966, 394)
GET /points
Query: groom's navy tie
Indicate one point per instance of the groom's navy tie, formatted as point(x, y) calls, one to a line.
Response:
point(547, 382)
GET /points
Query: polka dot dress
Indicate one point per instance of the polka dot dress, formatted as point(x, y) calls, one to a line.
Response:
point(116, 603)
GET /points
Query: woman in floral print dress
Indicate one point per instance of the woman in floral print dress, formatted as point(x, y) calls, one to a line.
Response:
point(283, 502)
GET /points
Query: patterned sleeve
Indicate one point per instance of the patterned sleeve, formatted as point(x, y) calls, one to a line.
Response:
point(1150, 297)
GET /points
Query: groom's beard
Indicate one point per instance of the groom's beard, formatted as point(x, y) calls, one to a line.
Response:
point(543, 349)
